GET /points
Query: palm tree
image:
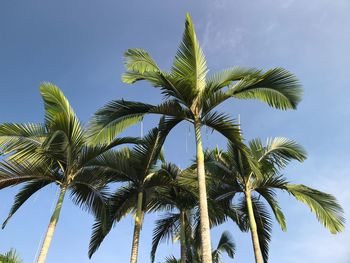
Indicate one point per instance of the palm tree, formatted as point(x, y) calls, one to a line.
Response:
point(192, 96)
point(181, 220)
point(239, 175)
point(137, 170)
point(179, 196)
point(10, 257)
point(55, 152)
point(225, 245)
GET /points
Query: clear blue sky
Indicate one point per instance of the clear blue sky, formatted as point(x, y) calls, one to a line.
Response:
point(78, 45)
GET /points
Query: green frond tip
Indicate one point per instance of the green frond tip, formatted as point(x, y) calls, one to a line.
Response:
point(140, 61)
point(55, 101)
point(328, 211)
point(189, 65)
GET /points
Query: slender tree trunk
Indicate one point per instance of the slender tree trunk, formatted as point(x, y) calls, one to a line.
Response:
point(137, 229)
point(51, 228)
point(183, 237)
point(203, 202)
point(253, 228)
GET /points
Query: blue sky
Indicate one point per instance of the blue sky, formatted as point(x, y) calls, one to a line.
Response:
point(78, 45)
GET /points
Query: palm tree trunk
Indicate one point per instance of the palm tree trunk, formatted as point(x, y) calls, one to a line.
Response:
point(203, 202)
point(183, 237)
point(137, 229)
point(253, 228)
point(51, 228)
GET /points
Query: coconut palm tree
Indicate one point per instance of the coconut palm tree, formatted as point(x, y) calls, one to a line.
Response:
point(138, 172)
point(238, 177)
point(55, 152)
point(10, 257)
point(192, 96)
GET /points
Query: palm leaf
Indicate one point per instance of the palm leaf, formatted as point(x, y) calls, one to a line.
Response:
point(113, 118)
point(140, 61)
point(10, 257)
point(117, 115)
point(164, 230)
point(91, 196)
point(189, 66)
point(223, 124)
point(226, 244)
point(59, 115)
point(277, 153)
point(13, 173)
point(328, 212)
point(24, 194)
point(226, 77)
point(277, 87)
point(16, 137)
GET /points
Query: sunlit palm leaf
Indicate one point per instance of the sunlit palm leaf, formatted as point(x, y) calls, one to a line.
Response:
point(18, 137)
point(325, 206)
point(59, 115)
point(190, 65)
point(277, 153)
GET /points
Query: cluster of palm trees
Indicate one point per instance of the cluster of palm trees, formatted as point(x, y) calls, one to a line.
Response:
point(238, 184)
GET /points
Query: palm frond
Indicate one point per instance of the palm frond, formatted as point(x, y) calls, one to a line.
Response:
point(140, 66)
point(270, 196)
point(13, 173)
point(189, 66)
point(226, 244)
point(277, 153)
point(24, 194)
point(123, 201)
point(113, 118)
point(16, 137)
point(100, 229)
point(226, 77)
point(119, 204)
point(171, 259)
point(325, 206)
point(223, 124)
point(164, 230)
point(140, 61)
point(10, 257)
point(277, 87)
point(90, 195)
point(210, 100)
point(59, 115)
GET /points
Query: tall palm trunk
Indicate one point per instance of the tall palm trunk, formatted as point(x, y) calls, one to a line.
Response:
point(51, 228)
point(203, 202)
point(137, 229)
point(253, 227)
point(183, 237)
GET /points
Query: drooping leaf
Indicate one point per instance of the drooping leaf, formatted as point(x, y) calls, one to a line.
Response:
point(325, 206)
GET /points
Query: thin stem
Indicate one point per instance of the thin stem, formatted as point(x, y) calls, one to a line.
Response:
point(137, 228)
point(253, 227)
point(203, 202)
point(51, 228)
point(183, 237)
